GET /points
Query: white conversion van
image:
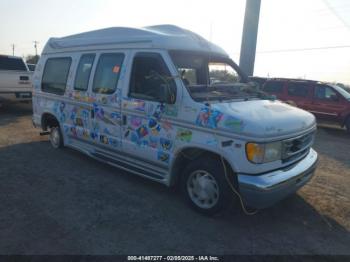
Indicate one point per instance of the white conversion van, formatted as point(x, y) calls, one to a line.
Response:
point(166, 104)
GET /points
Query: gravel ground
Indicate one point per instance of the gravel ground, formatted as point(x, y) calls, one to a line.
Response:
point(63, 202)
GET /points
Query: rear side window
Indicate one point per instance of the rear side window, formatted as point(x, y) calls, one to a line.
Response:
point(273, 87)
point(83, 72)
point(12, 63)
point(55, 75)
point(298, 89)
point(107, 73)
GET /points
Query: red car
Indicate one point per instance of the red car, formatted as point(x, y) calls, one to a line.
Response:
point(329, 103)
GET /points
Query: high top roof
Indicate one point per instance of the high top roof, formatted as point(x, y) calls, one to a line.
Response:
point(161, 36)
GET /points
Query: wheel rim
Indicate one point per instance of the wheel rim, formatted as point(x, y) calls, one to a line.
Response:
point(203, 189)
point(55, 137)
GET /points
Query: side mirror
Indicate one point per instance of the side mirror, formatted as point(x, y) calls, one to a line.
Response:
point(169, 96)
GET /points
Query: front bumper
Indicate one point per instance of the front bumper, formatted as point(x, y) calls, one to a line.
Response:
point(264, 190)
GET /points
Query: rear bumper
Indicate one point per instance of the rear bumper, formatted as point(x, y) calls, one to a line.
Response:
point(261, 191)
point(16, 96)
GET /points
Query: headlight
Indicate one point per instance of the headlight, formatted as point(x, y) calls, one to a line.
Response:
point(263, 153)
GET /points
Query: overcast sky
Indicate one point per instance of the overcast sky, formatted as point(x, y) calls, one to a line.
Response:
point(286, 26)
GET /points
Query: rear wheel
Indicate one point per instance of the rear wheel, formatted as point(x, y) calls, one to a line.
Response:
point(205, 187)
point(56, 138)
point(347, 125)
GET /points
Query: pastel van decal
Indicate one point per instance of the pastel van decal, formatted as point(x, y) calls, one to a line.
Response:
point(153, 141)
point(208, 117)
point(159, 111)
point(154, 126)
point(134, 104)
point(59, 108)
point(233, 124)
point(184, 135)
point(167, 126)
point(167, 144)
point(135, 122)
point(171, 110)
point(163, 156)
point(142, 131)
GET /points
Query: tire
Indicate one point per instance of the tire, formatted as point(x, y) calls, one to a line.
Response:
point(56, 138)
point(204, 185)
point(347, 125)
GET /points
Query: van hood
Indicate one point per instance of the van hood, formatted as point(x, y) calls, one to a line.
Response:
point(264, 118)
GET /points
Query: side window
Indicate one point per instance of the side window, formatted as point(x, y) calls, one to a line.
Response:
point(107, 73)
point(83, 72)
point(151, 79)
point(298, 89)
point(55, 75)
point(273, 87)
point(324, 92)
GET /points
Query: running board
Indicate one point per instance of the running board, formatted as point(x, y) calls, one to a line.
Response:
point(125, 166)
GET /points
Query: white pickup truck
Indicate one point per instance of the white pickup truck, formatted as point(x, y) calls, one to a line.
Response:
point(15, 80)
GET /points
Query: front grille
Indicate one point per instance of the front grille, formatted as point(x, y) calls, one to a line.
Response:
point(296, 147)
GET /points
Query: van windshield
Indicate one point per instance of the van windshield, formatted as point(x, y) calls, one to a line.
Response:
point(211, 77)
point(342, 91)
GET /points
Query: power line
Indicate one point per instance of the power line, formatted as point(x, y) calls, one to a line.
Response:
point(303, 49)
point(341, 19)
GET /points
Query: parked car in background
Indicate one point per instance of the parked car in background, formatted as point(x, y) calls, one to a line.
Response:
point(15, 80)
point(166, 104)
point(31, 67)
point(258, 80)
point(329, 103)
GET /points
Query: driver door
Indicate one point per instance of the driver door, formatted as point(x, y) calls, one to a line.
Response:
point(146, 134)
point(326, 103)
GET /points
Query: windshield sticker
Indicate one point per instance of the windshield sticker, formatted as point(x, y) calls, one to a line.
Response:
point(233, 124)
point(184, 135)
point(208, 117)
point(116, 69)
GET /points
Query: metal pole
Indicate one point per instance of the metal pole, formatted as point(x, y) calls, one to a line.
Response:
point(13, 49)
point(36, 47)
point(249, 36)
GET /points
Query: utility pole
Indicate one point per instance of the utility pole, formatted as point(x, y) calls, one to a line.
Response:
point(13, 49)
point(36, 47)
point(249, 36)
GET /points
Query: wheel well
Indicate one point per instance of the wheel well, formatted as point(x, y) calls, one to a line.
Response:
point(48, 120)
point(185, 156)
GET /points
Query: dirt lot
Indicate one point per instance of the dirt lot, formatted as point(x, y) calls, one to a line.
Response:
point(63, 202)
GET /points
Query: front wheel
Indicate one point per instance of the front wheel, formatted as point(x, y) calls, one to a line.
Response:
point(56, 138)
point(205, 187)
